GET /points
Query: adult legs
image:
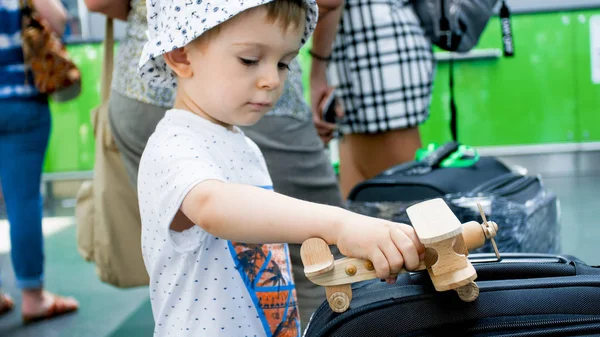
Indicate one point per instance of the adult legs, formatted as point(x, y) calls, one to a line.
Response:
point(300, 168)
point(132, 122)
point(363, 156)
point(24, 132)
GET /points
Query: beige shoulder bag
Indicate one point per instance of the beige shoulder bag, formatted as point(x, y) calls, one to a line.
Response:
point(107, 213)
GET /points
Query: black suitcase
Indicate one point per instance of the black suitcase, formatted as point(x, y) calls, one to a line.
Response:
point(427, 179)
point(523, 295)
point(527, 212)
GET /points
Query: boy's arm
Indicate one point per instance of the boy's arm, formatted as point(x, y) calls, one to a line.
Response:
point(254, 215)
point(249, 214)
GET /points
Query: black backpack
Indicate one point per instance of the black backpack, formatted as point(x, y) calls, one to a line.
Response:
point(456, 25)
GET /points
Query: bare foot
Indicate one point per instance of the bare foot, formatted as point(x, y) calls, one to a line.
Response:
point(39, 304)
point(6, 304)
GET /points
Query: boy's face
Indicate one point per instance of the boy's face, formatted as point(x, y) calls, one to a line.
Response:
point(238, 75)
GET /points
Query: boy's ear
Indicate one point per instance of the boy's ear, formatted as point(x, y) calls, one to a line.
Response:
point(177, 60)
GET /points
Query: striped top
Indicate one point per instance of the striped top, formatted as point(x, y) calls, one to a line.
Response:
point(12, 71)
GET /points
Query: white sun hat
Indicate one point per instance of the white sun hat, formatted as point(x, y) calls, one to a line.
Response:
point(174, 23)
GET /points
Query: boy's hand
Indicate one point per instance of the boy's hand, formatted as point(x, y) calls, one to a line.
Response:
point(389, 246)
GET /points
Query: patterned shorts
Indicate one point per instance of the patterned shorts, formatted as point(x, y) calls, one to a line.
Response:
point(383, 67)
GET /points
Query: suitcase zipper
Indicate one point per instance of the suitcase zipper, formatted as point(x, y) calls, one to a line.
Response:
point(505, 185)
point(545, 323)
point(516, 186)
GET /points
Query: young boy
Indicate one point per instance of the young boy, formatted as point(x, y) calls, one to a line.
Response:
point(212, 226)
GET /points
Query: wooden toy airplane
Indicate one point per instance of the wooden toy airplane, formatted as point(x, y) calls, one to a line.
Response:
point(446, 242)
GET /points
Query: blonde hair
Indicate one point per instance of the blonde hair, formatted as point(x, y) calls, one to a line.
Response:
point(285, 13)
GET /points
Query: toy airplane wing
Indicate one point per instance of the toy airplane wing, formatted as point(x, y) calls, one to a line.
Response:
point(434, 221)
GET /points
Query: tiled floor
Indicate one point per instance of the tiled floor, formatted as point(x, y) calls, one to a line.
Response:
point(580, 204)
point(107, 311)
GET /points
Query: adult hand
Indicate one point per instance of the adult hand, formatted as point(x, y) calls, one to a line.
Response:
point(116, 9)
point(319, 91)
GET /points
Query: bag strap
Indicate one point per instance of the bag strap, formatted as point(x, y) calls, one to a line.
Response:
point(26, 5)
point(507, 35)
point(509, 51)
point(107, 65)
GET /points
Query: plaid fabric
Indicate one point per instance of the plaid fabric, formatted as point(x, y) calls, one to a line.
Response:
point(383, 66)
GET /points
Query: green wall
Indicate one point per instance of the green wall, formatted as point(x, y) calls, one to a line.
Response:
point(71, 146)
point(543, 95)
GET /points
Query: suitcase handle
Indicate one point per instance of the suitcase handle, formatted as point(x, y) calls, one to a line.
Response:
point(423, 166)
point(435, 158)
point(481, 258)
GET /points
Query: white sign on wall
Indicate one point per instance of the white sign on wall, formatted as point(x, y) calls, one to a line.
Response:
point(595, 47)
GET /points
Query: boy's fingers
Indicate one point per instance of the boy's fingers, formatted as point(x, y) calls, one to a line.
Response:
point(407, 247)
point(408, 230)
point(382, 268)
point(394, 257)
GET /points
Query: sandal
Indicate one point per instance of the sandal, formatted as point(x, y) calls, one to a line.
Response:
point(59, 306)
point(6, 304)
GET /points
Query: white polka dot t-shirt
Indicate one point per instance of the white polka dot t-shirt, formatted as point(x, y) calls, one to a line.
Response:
point(201, 285)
